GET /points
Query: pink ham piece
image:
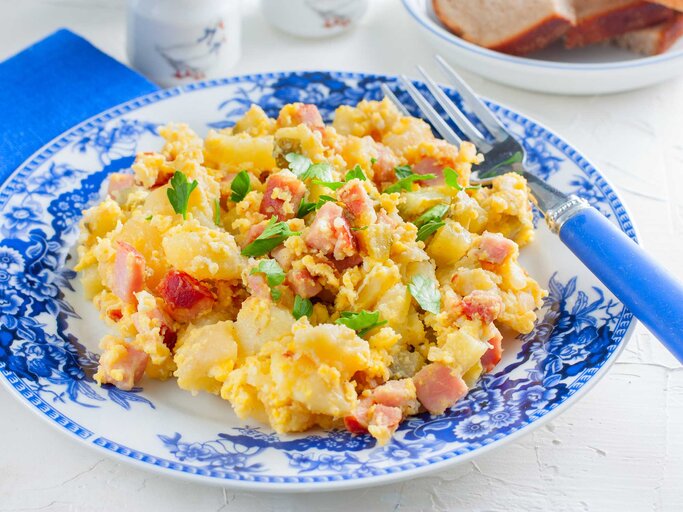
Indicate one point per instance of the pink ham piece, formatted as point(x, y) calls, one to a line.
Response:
point(386, 417)
point(166, 331)
point(346, 263)
point(357, 202)
point(274, 201)
point(495, 248)
point(330, 233)
point(118, 183)
point(394, 393)
point(255, 231)
point(303, 284)
point(438, 387)
point(185, 297)
point(357, 423)
point(129, 272)
point(258, 286)
point(128, 369)
point(486, 306)
point(283, 256)
point(384, 165)
point(309, 115)
point(430, 166)
point(493, 355)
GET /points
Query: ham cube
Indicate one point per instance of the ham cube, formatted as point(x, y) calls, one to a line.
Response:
point(486, 306)
point(430, 166)
point(303, 284)
point(493, 355)
point(358, 202)
point(121, 365)
point(395, 393)
point(438, 387)
point(495, 248)
point(129, 272)
point(357, 423)
point(330, 233)
point(282, 197)
point(119, 184)
point(186, 297)
point(309, 115)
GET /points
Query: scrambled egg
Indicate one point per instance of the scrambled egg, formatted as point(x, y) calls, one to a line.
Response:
point(310, 274)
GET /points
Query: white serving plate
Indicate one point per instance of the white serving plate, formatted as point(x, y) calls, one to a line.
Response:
point(49, 333)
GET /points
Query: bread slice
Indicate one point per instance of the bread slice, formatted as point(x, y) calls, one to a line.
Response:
point(504, 26)
point(676, 5)
point(653, 40)
point(600, 20)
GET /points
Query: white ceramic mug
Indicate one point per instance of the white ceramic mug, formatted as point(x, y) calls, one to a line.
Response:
point(174, 42)
point(313, 18)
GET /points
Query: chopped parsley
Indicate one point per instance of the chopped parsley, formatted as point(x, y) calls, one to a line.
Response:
point(275, 276)
point(305, 208)
point(355, 173)
point(302, 307)
point(360, 229)
point(373, 161)
point(406, 178)
point(274, 234)
point(298, 164)
point(334, 185)
point(240, 186)
point(430, 221)
point(451, 177)
point(426, 292)
point(149, 217)
point(179, 193)
point(362, 322)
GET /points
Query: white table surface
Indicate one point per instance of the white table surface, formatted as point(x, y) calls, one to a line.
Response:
point(619, 448)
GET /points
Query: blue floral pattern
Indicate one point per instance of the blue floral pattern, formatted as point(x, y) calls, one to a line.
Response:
point(579, 329)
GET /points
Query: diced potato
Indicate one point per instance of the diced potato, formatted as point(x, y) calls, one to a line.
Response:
point(260, 321)
point(376, 240)
point(450, 243)
point(375, 284)
point(205, 357)
point(461, 349)
point(407, 132)
point(255, 123)
point(297, 139)
point(236, 152)
point(416, 203)
point(202, 252)
point(472, 375)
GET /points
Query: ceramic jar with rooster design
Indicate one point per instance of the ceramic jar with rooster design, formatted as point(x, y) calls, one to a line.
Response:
point(174, 42)
point(314, 18)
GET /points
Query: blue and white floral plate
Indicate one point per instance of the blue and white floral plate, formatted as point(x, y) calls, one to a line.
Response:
point(49, 333)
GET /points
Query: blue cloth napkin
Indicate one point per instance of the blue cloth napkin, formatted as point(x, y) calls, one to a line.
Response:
point(53, 85)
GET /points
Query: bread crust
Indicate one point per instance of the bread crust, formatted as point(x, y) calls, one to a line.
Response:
point(671, 4)
point(601, 27)
point(534, 38)
point(539, 36)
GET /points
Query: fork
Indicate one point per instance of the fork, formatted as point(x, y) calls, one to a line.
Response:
point(652, 294)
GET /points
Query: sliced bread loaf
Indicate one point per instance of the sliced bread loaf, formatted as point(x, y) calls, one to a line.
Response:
point(653, 40)
point(600, 20)
point(509, 27)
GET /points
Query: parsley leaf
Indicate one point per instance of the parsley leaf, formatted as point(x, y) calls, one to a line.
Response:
point(451, 177)
point(355, 173)
point(275, 276)
point(373, 161)
point(179, 193)
point(306, 208)
point(434, 213)
point(302, 307)
point(403, 171)
point(240, 186)
point(360, 229)
point(430, 221)
point(321, 171)
point(334, 185)
point(217, 212)
point(298, 164)
point(406, 183)
point(426, 292)
point(274, 234)
point(149, 217)
point(362, 322)
point(426, 230)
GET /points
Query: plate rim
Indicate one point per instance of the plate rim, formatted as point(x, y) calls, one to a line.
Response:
point(421, 18)
point(136, 458)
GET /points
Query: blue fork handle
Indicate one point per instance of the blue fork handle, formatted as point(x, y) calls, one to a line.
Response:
point(652, 294)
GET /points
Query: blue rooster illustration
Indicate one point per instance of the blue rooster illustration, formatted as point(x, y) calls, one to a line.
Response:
point(193, 59)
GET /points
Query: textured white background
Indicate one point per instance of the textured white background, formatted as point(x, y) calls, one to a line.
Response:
point(620, 448)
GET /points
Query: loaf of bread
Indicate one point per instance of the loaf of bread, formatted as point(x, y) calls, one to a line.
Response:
point(601, 20)
point(653, 40)
point(510, 27)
